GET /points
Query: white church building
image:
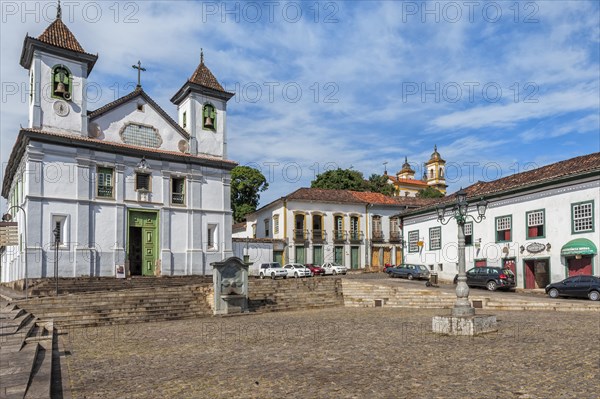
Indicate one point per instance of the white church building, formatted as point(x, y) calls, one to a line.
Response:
point(122, 187)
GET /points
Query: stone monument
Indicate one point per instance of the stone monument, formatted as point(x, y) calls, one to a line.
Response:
point(230, 281)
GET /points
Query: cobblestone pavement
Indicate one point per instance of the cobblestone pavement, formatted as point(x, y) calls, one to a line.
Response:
point(339, 353)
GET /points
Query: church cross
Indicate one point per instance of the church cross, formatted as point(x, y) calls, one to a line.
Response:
point(140, 69)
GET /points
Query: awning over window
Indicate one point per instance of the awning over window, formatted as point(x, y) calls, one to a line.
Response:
point(579, 246)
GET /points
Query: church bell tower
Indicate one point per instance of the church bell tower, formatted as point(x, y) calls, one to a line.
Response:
point(58, 70)
point(202, 108)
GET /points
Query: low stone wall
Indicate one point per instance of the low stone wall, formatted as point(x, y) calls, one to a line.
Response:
point(294, 294)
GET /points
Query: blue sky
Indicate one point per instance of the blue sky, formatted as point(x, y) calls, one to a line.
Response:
point(499, 86)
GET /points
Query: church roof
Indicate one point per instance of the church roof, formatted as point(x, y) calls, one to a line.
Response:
point(57, 34)
point(204, 77)
point(435, 156)
point(138, 92)
point(203, 81)
point(408, 182)
point(406, 167)
point(59, 40)
point(27, 134)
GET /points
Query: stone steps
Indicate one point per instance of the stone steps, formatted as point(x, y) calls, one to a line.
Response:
point(123, 306)
point(26, 356)
point(365, 294)
point(47, 287)
point(294, 294)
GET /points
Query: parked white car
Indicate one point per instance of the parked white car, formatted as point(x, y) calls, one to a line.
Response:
point(297, 270)
point(272, 270)
point(334, 268)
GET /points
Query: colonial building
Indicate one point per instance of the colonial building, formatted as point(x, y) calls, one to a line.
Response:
point(542, 224)
point(351, 228)
point(405, 184)
point(120, 187)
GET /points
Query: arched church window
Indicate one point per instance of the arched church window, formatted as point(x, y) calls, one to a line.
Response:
point(441, 173)
point(431, 173)
point(141, 135)
point(209, 117)
point(62, 82)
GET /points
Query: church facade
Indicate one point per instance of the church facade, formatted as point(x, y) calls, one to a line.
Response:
point(123, 189)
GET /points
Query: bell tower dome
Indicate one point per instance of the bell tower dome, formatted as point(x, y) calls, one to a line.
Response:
point(436, 171)
point(58, 71)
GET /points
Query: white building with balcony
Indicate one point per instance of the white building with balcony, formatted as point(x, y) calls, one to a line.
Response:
point(543, 224)
point(354, 229)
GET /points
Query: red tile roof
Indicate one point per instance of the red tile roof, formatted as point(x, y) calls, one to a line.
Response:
point(204, 77)
point(570, 168)
point(57, 34)
point(543, 174)
point(408, 182)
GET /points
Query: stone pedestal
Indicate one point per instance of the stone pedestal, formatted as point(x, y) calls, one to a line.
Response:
point(230, 281)
point(464, 325)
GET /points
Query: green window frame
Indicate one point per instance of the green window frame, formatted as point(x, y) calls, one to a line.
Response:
point(535, 224)
point(62, 74)
point(582, 217)
point(105, 185)
point(503, 225)
point(468, 234)
point(413, 239)
point(435, 238)
point(209, 117)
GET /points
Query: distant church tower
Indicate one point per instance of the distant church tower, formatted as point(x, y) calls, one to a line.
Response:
point(58, 71)
point(436, 171)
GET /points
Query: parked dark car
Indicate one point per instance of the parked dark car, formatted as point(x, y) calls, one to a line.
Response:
point(492, 278)
point(583, 286)
point(387, 267)
point(409, 271)
point(316, 270)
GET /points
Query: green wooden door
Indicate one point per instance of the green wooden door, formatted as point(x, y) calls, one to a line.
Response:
point(148, 222)
point(318, 255)
point(278, 257)
point(339, 255)
point(354, 255)
point(300, 255)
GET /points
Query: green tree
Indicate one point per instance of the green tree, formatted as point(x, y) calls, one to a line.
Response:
point(430, 192)
point(379, 184)
point(246, 184)
point(340, 179)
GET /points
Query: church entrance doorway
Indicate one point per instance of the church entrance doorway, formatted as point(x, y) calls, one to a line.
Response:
point(142, 242)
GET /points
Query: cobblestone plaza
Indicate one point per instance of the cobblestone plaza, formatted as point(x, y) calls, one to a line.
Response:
point(338, 353)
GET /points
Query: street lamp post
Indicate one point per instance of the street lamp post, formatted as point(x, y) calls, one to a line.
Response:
point(7, 217)
point(462, 307)
point(56, 232)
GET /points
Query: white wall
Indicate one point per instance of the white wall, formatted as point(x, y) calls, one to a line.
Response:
point(114, 120)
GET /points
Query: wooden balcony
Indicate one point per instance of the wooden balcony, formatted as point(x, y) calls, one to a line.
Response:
point(319, 235)
point(340, 235)
point(377, 236)
point(395, 236)
point(300, 235)
point(356, 236)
